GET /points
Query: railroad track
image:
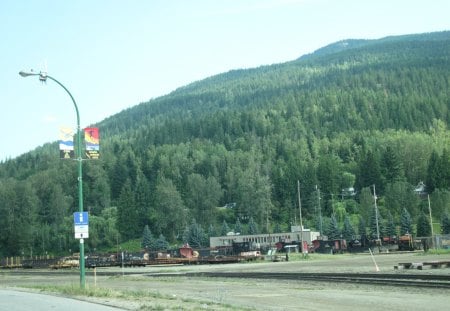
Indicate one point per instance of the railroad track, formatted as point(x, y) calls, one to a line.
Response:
point(411, 280)
point(438, 281)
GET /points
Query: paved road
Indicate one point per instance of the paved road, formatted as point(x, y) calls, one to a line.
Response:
point(11, 300)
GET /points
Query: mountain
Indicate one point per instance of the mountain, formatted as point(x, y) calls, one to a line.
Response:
point(360, 114)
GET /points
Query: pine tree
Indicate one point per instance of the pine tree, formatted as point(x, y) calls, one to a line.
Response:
point(252, 227)
point(348, 232)
point(433, 172)
point(161, 243)
point(212, 231)
point(362, 227)
point(333, 231)
point(127, 217)
point(390, 226)
point(148, 240)
point(423, 226)
point(277, 228)
point(445, 223)
point(238, 226)
point(391, 166)
point(195, 235)
point(444, 164)
point(405, 222)
point(225, 228)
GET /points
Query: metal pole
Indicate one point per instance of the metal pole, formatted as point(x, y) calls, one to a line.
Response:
point(43, 77)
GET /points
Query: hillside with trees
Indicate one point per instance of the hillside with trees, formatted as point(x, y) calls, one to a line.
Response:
point(225, 154)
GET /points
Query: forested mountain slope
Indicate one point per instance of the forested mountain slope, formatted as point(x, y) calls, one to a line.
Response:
point(356, 113)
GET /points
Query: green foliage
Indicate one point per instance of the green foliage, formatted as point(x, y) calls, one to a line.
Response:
point(405, 222)
point(225, 228)
point(362, 227)
point(161, 243)
point(390, 227)
point(347, 231)
point(148, 241)
point(376, 224)
point(332, 230)
point(374, 113)
point(445, 223)
point(127, 217)
point(238, 227)
point(423, 226)
point(252, 227)
point(195, 235)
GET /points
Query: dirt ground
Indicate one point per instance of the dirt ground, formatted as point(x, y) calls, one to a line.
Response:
point(144, 291)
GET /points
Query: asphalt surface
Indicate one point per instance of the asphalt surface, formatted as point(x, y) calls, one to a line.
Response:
point(11, 300)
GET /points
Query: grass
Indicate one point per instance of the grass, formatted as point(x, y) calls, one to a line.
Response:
point(438, 251)
point(149, 300)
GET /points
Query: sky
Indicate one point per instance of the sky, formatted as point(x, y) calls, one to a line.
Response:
point(114, 54)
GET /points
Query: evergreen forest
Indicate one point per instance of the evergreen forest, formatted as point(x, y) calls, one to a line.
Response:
point(355, 123)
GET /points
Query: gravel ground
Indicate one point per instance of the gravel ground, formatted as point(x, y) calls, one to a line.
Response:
point(145, 292)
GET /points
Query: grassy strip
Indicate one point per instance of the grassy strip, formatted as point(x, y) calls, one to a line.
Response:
point(146, 297)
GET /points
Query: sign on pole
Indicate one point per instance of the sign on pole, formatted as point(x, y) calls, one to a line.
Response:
point(81, 223)
point(92, 139)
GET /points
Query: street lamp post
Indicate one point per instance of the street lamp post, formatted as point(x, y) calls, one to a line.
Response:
point(43, 77)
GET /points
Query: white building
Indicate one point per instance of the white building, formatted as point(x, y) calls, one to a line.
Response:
point(266, 240)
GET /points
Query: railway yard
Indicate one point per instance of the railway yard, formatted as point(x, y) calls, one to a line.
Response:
point(394, 281)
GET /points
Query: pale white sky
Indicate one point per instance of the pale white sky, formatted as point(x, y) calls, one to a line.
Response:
point(114, 54)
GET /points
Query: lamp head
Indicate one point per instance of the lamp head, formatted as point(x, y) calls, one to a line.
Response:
point(42, 75)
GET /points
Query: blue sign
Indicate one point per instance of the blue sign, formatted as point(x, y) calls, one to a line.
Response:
point(81, 219)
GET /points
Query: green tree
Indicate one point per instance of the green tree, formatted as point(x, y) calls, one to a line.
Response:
point(203, 196)
point(148, 241)
point(391, 166)
point(362, 227)
point(127, 217)
point(369, 172)
point(445, 223)
point(143, 200)
point(347, 231)
point(405, 222)
point(391, 230)
point(225, 228)
point(333, 231)
point(400, 194)
point(376, 224)
point(238, 226)
point(423, 226)
point(212, 231)
point(252, 227)
point(195, 235)
point(366, 203)
point(171, 212)
point(277, 228)
point(434, 172)
point(161, 243)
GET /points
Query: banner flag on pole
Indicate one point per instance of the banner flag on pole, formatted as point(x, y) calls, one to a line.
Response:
point(92, 139)
point(66, 150)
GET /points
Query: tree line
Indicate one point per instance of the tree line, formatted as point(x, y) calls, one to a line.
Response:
point(225, 154)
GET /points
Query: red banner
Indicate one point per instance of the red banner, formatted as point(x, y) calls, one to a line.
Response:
point(92, 139)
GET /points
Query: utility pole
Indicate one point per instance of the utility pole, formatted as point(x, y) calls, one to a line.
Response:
point(431, 219)
point(301, 219)
point(319, 210)
point(376, 213)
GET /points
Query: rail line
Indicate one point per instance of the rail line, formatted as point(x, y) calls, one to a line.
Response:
point(438, 281)
point(411, 280)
